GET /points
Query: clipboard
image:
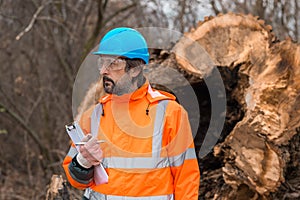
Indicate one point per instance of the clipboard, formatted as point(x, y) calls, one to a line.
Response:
point(76, 134)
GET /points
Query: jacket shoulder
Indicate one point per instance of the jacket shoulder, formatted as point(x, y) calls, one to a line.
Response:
point(154, 95)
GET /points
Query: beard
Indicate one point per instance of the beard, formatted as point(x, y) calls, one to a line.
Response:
point(123, 86)
point(108, 85)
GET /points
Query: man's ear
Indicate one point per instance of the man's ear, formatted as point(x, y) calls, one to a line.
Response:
point(135, 71)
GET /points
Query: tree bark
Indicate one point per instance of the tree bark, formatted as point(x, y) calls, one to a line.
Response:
point(255, 155)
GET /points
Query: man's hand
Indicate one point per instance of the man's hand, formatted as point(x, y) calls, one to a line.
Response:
point(90, 153)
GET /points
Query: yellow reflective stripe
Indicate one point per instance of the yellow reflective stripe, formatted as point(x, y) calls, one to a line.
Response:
point(135, 163)
point(158, 128)
point(190, 154)
point(92, 195)
point(176, 161)
point(149, 163)
point(95, 119)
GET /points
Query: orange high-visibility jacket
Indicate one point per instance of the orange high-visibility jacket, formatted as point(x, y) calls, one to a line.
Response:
point(149, 152)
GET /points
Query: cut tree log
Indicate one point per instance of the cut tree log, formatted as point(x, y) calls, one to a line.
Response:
point(260, 139)
point(57, 189)
point(254, 153)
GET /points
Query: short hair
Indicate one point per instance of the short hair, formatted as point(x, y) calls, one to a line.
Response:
point(133, 63)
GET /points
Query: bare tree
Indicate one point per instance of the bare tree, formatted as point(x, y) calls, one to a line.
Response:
point(280, 14)
point(42, 45)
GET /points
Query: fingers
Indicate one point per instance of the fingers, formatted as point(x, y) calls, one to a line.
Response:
point(92, 143)
point(91, 150)
point(86, 137)
point(92, 157)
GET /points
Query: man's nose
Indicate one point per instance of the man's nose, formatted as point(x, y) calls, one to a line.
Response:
point(103, 70)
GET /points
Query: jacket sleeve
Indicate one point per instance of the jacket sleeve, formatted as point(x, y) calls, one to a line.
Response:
point(77, 175)
point(181, 153)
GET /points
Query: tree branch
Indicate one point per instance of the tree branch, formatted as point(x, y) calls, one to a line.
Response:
point(9, 100)
point(64, 64)
point(181, 15)
point(109, 18)
point(36, 103)
point(30, 131)
point(92, 39)
point(32, 21)
point(297, 10)
point(214, 7)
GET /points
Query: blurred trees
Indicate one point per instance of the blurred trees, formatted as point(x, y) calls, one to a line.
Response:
point(42, 44)
point(282, 15)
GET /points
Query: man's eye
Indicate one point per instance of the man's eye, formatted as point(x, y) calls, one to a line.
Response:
point(114, 64)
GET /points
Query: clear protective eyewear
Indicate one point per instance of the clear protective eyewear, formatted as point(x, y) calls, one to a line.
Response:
point(110, 63)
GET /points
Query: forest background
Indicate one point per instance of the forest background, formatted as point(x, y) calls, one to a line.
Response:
point(42, 45)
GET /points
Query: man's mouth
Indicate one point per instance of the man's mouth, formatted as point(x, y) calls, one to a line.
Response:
point(107, 82)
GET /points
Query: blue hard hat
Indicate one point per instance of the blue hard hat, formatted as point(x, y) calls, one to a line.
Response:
point(126, 42)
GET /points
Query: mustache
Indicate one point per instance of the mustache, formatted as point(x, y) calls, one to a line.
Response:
point(105, 78)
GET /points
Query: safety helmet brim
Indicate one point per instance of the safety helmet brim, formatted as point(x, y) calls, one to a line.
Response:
point(144, 57)
point(125, 42)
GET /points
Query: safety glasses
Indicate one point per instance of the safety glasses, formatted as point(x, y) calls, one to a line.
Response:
point(110, 63)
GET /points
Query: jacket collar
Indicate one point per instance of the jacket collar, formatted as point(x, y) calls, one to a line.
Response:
point(144, 90)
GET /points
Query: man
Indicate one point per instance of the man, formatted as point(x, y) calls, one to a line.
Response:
point(148, 152)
